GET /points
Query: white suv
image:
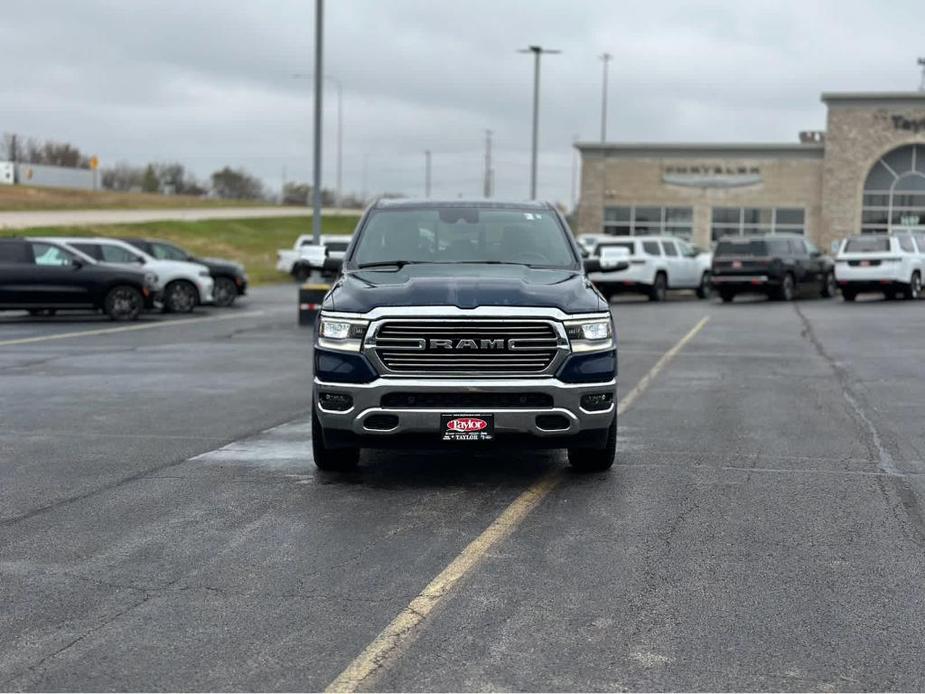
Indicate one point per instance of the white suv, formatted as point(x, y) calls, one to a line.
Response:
point(891, 264)
point(657, 264)
point(181, 286)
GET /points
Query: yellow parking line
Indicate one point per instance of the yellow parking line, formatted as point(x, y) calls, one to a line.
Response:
point(126, 329)
point(403, 628)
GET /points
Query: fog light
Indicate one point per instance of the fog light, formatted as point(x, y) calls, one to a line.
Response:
point(596, 402)
point(335, 402)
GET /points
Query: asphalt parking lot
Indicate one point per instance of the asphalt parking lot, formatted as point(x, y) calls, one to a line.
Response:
point(162, 526)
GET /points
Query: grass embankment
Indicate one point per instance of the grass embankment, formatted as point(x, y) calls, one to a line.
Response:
point(27, 198)
point(252, 242)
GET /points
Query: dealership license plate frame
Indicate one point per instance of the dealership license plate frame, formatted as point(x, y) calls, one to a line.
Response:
point(484, 434)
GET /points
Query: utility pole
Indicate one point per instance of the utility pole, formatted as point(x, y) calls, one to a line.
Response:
point(922, 83)
point(537, 52)
point(426, 173)
point(365, 194)
point(574, 172)
point(489, 174)
point(319, 90)
point(605, 58)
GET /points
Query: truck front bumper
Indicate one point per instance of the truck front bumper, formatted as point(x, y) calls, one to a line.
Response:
point(551, 409)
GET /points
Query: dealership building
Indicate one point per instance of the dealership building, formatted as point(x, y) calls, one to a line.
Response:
point(864, 173)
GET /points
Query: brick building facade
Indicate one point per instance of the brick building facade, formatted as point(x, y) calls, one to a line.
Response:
point(866, 172)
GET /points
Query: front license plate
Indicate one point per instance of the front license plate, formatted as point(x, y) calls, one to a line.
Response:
point(865, 263)
point(737, 264)
point(467, 427)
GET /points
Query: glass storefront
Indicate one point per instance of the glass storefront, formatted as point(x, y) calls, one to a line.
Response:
point(894, 191)
point(738, 221)
point(645, 220)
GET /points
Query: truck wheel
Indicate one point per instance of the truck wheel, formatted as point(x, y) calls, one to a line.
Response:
point(704, 291)
point(659, 287)
point(225, 292)
point(330, 459)
point(596, 459)
point(727, 295)
point(829, 286)
point(914, 290)
point(123, 303)
point(180, 297)
point(301, 273)
point(849, 294)
point(785, 291)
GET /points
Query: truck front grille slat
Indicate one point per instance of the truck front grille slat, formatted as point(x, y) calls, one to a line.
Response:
point(466, 346)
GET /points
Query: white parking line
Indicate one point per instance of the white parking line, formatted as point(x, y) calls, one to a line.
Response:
point(127, 328)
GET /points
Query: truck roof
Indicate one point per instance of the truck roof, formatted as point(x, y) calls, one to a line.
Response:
point(484, 203)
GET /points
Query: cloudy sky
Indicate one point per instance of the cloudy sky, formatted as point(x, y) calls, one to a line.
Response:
point(210, 83)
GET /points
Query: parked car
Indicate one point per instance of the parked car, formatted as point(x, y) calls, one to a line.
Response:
point(182, 286)
point(891, 264)
point(305, 256)
point(781, 266)
point(44, 276)
point(461, 324)
point(229, 277)
point(657, 264)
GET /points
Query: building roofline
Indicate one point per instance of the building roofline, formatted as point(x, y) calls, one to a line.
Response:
point(704, 149)
point(873, 96)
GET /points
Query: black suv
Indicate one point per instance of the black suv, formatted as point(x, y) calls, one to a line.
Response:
point(42, 276)
point(230, 277)
point(781, 266)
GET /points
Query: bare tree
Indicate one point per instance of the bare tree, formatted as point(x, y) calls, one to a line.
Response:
point(236, 184)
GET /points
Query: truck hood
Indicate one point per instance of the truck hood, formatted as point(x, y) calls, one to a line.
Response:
point(464, 286)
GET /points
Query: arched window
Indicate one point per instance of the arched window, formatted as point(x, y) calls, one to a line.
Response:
point(894, 192)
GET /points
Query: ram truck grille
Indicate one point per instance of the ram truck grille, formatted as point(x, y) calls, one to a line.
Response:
point(460, 347)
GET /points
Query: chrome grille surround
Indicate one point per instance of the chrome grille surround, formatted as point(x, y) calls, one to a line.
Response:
point(404, 346)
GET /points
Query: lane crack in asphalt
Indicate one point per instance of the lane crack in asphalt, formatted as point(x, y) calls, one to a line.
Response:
point(875, 443)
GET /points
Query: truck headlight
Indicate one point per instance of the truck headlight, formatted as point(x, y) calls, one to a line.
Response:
point(590, 335)
point(342, 334)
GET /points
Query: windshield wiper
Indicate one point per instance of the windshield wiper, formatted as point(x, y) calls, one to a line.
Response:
point(504, 262)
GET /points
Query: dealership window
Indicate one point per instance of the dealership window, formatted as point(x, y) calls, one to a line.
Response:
point(894, 191)
point(641, 220)
point(737, 221)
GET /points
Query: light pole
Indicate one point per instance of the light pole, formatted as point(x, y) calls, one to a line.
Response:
point(319, 89)
point(340, 130)
point(922, 83)
point(537, 51)
point(606, 57)
point(426, 173)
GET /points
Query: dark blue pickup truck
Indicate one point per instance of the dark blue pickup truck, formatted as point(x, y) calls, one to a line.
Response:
point(464, 324)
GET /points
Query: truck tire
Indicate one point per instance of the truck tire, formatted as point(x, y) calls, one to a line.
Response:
point(596, 459)
point(849, 294)
point(659, 287)
point(330, 459)
point(786, 290)
point(123, 303)
point(727, 295)
point(301, 273)
point(914, 290)
point(180, 296)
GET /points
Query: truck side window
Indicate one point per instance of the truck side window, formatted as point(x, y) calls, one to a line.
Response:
point(670, 249)
point(651, 248)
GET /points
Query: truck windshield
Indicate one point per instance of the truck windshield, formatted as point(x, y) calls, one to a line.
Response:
point(464, 235)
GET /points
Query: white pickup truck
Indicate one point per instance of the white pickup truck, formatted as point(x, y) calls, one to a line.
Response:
point(304, 256)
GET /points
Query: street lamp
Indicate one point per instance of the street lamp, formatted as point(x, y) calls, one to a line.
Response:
point(319, 56)
point(537, 51)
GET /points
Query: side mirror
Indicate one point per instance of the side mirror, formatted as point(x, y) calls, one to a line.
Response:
point(834, 246)
point(77, 263)
point(332, 264)
point(592, 264)
point(614, 258)
point(815, 254)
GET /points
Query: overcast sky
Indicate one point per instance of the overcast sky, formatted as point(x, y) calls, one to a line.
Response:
point(209, 83)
